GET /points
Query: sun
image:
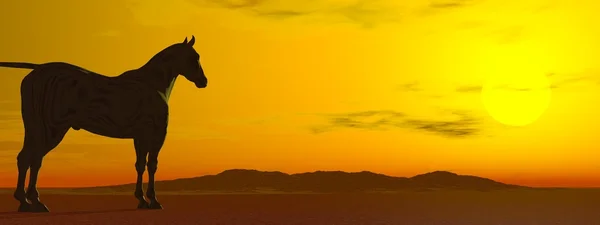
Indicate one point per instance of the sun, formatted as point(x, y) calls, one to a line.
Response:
point(516, 93)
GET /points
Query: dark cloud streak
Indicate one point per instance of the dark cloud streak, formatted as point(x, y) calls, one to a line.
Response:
point(562, 81)
point(447, 4)
point(469, 89)
point(412, 86)
point(464, 125)
point(441, 6)
point(568, 81)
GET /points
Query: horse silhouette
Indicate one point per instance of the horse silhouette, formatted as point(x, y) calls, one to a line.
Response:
point(57, 96)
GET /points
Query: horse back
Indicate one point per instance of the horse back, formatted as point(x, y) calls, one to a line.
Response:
point(104, 105)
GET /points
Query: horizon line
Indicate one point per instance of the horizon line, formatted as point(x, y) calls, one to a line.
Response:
point(315, 171)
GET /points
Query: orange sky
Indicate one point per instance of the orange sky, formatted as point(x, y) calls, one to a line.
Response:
point(297, 86)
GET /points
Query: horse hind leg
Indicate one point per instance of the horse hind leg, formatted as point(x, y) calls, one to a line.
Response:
point(140, 167)
point(52, 136)
point(23, 164)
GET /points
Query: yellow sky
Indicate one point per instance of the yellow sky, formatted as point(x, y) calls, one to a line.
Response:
point(296, 85)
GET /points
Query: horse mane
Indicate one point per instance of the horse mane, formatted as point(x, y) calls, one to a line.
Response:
point(163, 55)
point(157, 60)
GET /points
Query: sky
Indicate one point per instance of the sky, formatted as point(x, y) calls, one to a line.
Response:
point(499, 89)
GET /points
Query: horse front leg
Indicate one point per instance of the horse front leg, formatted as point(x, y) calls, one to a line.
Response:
point(149, 142)
point(152, 167)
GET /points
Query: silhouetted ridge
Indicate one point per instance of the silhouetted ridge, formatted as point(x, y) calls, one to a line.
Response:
point(236, 180)
point(444, 179)
point(338, 181)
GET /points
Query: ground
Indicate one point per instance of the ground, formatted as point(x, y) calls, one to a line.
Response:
point(523, 207)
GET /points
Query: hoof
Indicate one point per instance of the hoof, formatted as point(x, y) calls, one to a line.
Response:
point(24, 207)
point(143, 205)
point(155, 205)
point(38, 207)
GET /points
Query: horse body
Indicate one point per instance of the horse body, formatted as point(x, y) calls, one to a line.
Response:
point(118, 119)
point(107, 106)
point(58, 96)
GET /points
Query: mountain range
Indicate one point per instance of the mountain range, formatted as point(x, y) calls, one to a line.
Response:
point(242, 180)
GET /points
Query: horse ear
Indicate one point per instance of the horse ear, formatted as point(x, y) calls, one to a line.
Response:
point(192, 41)
point(185, 41)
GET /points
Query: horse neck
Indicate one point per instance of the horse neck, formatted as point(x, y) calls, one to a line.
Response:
point(160, 77)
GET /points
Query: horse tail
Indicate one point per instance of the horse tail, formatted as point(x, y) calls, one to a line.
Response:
point(20, 65)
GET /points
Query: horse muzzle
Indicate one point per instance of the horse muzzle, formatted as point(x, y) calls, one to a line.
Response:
point(202, 83)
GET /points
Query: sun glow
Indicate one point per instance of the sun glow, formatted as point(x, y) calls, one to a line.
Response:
point(517, 90)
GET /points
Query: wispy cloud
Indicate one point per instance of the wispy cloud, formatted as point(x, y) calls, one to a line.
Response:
point(501, 34)
point(411, 86)
point(558, 81)
point(448, 4)
point(440, 6)
point(571, 80)
point(367, 13)
point(461, 124)
point(508, 35)
point(566, 80)
point(469, 89)
point(155, 13)
point(416, 87)
point(478, 88)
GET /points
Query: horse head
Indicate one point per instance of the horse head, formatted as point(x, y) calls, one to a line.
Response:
point(188, 63)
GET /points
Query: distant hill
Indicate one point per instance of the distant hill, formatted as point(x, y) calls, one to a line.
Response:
point(240, 180)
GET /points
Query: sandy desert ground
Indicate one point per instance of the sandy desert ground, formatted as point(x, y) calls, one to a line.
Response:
point(522, 207)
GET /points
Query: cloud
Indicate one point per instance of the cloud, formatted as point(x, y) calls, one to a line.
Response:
point(162, 13)
point(412, 86)
point(508, 35)
point(461, 124)
point(440, 6)
point(464, 125)
point(417, 88)
point(447, 4)
point(368, 120)
point(499, 34)
point(367, 13)
point(566, 81)
point(478, 88)
point(560, 81)
point(469, 89)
